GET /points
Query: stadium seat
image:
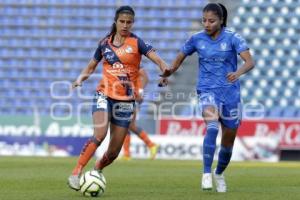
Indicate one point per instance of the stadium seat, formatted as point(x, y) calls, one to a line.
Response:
point(58, 46)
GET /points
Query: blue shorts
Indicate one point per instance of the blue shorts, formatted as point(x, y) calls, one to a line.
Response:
point(227, 101)
point(120, 112)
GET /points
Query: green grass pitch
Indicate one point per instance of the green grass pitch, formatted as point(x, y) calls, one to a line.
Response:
point(36, 178)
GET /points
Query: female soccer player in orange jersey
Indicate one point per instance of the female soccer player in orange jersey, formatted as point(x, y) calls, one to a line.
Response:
point(114, 101)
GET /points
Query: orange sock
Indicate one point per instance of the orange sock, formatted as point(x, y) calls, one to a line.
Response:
point(87, 152)
point(144, 136)
point(126, 146)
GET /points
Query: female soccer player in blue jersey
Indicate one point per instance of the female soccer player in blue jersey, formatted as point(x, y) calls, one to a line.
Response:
point(218, 87)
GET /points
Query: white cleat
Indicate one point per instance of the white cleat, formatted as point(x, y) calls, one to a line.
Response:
point(219, 180)
point(73, 182)
point(206, 181)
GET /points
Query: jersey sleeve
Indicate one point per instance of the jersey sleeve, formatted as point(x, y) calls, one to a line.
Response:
point(98, 53)
point(144, 48)
point(188, 48)
point(239, 43)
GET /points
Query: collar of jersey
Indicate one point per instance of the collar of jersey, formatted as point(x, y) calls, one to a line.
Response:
point(110, 42)
point(220, 36)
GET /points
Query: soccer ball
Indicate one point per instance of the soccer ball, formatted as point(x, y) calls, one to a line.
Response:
point(92, 183)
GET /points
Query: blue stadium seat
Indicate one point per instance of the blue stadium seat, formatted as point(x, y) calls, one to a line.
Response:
point(275, 112)
point(289, 112)
point(59, 46)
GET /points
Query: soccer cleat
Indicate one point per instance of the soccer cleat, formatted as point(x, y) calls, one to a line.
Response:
point(127, 158)
point(73, 182)
point(219, 180)
point(206, 181)
point(153, 151)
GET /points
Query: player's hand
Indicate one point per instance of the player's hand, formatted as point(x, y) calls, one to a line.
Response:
point(232, 76)
point(167, 73)
point(163, 82)
point(76, 84)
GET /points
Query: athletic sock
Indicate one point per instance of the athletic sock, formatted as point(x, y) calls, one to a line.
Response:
point(224, 159)
point(209, 145)
point(87, 152)
point(144, 136)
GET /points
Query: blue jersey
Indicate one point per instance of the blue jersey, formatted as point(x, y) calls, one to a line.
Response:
point(216, 57)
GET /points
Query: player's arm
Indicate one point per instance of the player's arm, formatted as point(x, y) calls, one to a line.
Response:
point(247, 66)
point(175, 65)
point(157, 60)
point(85, 73)
point(162, 65)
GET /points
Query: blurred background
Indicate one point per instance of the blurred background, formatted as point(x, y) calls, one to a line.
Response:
point(44, 45)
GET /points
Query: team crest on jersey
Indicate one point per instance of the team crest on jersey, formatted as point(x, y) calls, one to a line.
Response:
point(223, 46)
point(128, 49)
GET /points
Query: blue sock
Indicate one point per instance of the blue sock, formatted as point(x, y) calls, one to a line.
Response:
point(224, 159)
point(209, 145)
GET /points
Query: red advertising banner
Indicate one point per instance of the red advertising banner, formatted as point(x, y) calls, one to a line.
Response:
point(286, 131)
point(181, 127)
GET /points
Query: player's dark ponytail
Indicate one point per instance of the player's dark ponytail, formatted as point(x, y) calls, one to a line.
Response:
point(224, 12)
point(113, 30)
point(220, 11)
point(120, 10)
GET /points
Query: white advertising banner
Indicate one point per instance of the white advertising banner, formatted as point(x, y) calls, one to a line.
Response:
point(190, 148)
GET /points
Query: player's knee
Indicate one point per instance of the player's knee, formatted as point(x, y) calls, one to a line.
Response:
point(96, 140)
point(99, 134)
point(210, 114)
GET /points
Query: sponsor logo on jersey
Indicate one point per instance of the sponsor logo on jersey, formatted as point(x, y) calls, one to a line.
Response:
point(124, 107)
point(107, 50)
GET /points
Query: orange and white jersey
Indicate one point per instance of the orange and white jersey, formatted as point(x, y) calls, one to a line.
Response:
point(121, 66)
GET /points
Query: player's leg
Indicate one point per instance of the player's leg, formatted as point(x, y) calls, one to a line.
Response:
point(143, 135)
point(225, 153)
point(210, 114)
point(224, 157)
point(126, 144)
point(122, 114)
point(100, 120)
point(126, 147)
point(117, 136)
point(230, 120)
point(101, 116)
